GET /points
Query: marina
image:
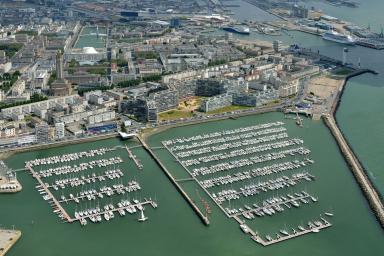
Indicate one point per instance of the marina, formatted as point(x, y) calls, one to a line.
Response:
point(82, 179)
point(175, 214)
point(231, 167)
point(175, 229)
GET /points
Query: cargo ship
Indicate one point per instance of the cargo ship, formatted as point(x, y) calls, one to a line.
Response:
point(238, 30)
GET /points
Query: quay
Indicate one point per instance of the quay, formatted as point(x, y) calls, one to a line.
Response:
point(58, 206)
point(7, 239)
point(203, 218)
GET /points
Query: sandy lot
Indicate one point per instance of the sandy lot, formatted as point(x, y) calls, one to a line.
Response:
point(324, 87)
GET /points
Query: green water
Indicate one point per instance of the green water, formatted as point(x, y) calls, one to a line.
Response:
point(174, 229)
point(361, 115)
point(87, 39)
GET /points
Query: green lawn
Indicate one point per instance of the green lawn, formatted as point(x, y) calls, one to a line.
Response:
point(174, 114)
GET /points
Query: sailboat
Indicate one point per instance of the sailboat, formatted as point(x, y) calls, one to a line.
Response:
point(142, 216)
point(329, 213)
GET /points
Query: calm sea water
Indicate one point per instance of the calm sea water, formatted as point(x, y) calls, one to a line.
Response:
point(174, 229)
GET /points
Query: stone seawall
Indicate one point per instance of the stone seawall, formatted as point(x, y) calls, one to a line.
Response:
point(373, 196)
point(358, 171)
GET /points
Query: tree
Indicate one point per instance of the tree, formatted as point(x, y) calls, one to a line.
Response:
point(16, 73)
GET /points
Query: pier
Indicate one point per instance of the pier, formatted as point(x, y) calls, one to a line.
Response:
point(203, 218)
point(195, 179)
point(98, 212)
point(357, 169)
point(56, 203)
point(312, 228)
point(368, 189)
point(290, 236)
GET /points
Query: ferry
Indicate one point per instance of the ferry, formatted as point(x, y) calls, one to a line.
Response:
point(338, 38)
point(239, 30)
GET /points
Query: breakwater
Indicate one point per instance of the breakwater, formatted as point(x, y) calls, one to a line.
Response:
point(359, 72)
point(358, 171)
point(373, 196)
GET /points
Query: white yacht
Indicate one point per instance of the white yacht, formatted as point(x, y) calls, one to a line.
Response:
point(142, 216)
